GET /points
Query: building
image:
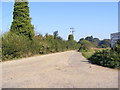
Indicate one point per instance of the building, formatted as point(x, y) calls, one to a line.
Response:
point(114, 38)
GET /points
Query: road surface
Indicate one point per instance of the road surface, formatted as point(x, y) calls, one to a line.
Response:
point(59, 70)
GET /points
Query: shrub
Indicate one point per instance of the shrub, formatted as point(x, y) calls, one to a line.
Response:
point(14, 46)
point(117, 46)
point(17, 46)
point(106, 58)
point(85, 45)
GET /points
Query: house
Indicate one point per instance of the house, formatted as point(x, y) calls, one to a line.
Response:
point(114, 38)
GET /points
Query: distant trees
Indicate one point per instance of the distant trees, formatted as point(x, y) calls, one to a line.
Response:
point(104, 43)
point(96, 42)
point(90, 38)
point(21, 24)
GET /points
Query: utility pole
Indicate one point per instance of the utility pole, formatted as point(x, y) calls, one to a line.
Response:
point(72, 30)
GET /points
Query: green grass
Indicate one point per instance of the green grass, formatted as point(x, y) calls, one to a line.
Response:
point(88, 54)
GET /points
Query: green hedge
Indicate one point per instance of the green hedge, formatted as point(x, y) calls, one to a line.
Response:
point(17, 46)
point(107, 58)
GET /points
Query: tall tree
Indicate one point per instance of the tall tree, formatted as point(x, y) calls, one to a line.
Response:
point(55, 34)
point(71, 37)
point(21, 24)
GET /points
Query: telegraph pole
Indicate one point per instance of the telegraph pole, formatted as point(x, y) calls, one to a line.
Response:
point(72, 30)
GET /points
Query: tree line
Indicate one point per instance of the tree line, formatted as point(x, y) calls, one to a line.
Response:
point(105, 43)
point(16, 46)
point(90, 42)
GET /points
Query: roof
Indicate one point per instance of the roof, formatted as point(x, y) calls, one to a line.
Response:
point(115, 33)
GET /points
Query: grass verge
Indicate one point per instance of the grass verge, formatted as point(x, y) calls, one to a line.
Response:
point(87, 54)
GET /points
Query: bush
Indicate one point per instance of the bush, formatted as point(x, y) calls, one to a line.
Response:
point(106, 58)
point(85, 45)
point(17, 46)
point(117, 47)
point(14, 46)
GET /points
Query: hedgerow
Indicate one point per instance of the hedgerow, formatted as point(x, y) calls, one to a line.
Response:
point(17, 46)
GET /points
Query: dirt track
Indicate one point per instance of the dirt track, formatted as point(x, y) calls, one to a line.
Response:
point(60, 70)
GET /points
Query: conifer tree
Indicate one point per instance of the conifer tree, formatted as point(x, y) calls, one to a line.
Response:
point(21, 24)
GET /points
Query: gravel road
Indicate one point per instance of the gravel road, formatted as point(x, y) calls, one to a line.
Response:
point(59, 70)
